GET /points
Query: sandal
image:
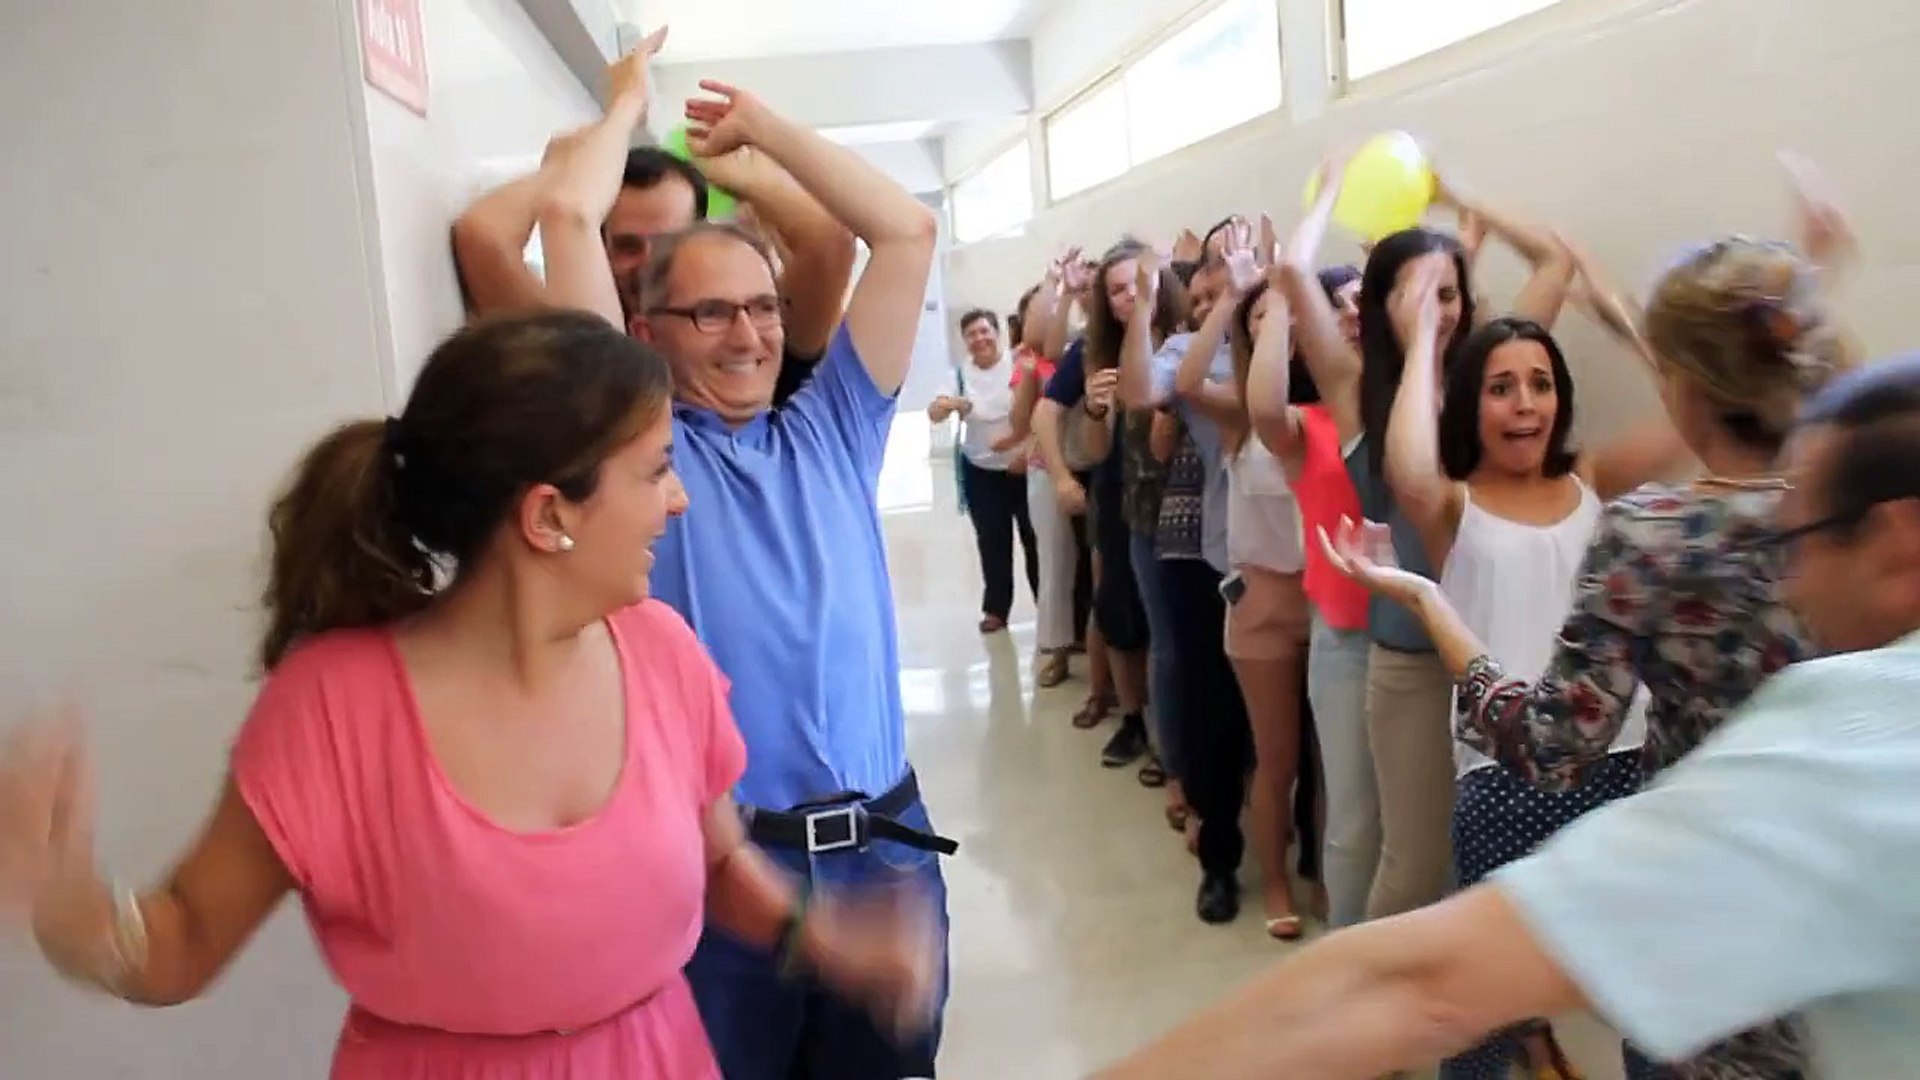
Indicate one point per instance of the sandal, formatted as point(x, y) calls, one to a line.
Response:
point(1285, 928)
point(1052, 671)
point(1097, 707)
point(1153, 774)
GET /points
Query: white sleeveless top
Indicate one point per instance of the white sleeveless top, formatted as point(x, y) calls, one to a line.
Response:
point(1263, 520)
point(1513, 585)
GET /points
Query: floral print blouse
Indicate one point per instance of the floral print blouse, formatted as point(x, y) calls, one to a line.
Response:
point(1680, 592)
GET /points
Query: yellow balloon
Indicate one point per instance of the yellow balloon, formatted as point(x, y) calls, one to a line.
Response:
point(1388, 187)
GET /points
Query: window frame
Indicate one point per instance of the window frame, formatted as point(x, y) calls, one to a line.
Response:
point(1461, 53)
point(1020, 142)
point(1117, 74)
point(1114, 79)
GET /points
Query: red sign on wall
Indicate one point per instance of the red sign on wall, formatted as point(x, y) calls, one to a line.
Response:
point(393, 50)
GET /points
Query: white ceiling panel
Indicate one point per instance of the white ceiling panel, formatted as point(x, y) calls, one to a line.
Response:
point(725, 29)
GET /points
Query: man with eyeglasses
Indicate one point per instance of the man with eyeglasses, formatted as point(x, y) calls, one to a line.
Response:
point(660, 194)
point(1775, 870)
point(779, 563)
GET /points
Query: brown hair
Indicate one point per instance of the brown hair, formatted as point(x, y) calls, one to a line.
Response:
point(379, 512)
point(1104, 332)
point(1747, 320)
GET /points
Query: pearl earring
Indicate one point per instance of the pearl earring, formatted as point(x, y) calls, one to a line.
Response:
point(566, 542)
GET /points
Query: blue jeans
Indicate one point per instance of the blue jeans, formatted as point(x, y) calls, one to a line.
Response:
point(1337, 687)
point(1162, 663)
point(766, 1027)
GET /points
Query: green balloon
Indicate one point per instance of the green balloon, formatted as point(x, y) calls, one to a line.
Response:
point(721, 203)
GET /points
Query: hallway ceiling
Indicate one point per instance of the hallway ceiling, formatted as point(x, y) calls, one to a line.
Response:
point(717, 29)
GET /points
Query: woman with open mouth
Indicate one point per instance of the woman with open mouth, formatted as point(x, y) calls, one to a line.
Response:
point(1506, 510)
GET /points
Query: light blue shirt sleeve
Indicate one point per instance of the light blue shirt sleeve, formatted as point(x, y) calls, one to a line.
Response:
point(845, 405)
point(1164, 367)
point(1775, 868)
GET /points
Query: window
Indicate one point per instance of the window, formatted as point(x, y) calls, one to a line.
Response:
point(1383, 33)
point(1170, 97)
point(996, 199)
point(1087, 141)
point(1235, 49)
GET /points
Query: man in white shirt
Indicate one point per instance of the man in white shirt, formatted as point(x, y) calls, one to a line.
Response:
point(992, 481)
point(1776, 870)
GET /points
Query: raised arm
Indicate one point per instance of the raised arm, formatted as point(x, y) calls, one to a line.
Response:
point(1137, 387)
point(1652, 450)
point(1243, 266)
point(1545, 292)
point(1269, 376)
point(900, 232)
point(817, 251)
point(1330, 357)
point(489, 247)
point(1430, 498)
point(1026, 394)
point(1060, 295)
point(584, 182)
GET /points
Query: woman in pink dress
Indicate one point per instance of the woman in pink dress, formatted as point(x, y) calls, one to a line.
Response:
point(495, 773)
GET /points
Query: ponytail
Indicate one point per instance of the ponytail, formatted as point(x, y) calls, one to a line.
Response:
point(342, 556)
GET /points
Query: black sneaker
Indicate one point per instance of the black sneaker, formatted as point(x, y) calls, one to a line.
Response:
point(1128, 745)
point(1219, 900)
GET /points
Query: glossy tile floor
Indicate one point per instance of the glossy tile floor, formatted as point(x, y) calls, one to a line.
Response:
point(1074, 938)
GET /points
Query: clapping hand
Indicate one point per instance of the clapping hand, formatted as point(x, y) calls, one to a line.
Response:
point(1363, 551)
point(723, 126)
point(884, 953)
point(1246, 263)
point(1825, 234)
point(1415, 302)
point(627, 76)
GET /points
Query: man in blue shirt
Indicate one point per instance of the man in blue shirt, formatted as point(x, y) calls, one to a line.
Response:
point(780, 564)
point(1774, 871)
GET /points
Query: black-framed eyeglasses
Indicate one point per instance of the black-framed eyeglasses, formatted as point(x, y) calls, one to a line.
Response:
point(1785, 539)
point(718, 316)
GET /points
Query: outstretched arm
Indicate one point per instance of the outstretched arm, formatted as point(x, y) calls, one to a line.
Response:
point(1392, 994)
point(900, 232)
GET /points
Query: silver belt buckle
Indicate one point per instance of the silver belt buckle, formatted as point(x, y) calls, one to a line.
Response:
point(848, 814)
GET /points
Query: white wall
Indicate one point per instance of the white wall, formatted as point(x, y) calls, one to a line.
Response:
point(187, 301)
point(498, 92)
point(196, 286)
point(1636, 131)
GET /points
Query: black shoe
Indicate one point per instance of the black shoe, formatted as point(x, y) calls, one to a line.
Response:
point(1128, 745)
point(1219, 900)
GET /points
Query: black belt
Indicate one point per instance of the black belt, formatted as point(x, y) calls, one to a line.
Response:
point(848, 821)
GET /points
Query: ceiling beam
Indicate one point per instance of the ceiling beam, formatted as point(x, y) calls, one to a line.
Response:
point(937, 83)
point(583, 34)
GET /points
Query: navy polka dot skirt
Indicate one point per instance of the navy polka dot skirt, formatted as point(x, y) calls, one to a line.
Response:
point(1499, 817)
